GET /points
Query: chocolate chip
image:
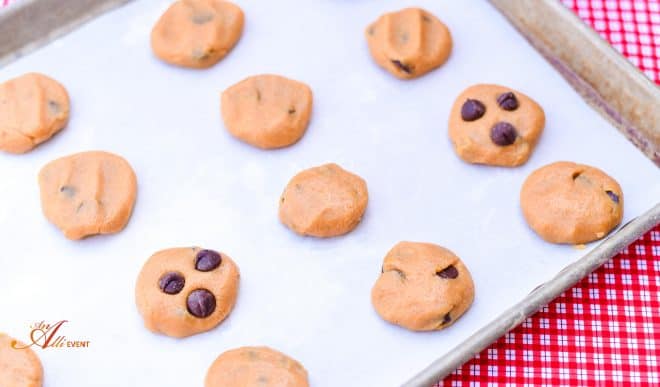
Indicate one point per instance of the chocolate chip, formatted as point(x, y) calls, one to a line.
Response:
point(54, 107)
point(507, 101)
point(446, 319)
point(613, 196)
point(207, 260)
point(201, 303)
point(68, 190)
point(503, 134)
point(448, 272)
point(403, 67)
point(472, 110)
point(171, 282)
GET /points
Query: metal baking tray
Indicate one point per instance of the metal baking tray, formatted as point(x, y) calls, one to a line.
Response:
point(608, 82)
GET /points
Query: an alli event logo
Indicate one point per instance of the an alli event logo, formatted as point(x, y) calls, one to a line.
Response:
point(50, 335)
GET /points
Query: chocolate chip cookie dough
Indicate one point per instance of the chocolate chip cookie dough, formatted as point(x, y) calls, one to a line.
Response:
point(495, 125)
point(256, 366)
point(323, 201)
point(33, 107)
point(197, 33)
point(409, 43)
point(184, 291)
point(88, 193)
point(565, 202)
point(423, 287)
point(18, 367)
point(267, 111)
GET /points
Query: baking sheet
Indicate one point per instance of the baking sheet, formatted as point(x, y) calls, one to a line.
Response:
point(198, 186)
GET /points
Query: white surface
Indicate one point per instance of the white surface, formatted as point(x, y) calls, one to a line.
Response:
point(309, 298)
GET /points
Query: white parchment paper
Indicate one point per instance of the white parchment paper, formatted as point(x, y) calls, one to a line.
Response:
point(307, 297)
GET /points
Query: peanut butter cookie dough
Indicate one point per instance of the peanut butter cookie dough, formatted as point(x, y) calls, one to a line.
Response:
point(197, 33)
point(184, 291)
point(423, 287)
point(19, 367)
point(33, 107)
point(565, 202)
point(323, 201)
point(267, 111)
point(495, 125)
point(409, 43)
point(88, 193)
point(256, 366)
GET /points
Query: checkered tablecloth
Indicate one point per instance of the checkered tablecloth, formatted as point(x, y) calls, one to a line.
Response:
point(631, 26)
point(605, 330)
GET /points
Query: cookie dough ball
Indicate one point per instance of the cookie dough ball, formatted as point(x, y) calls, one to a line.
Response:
point(197, 33)
point(33, 107)
point(324, 201)
point(571, 203)
point(423, 287)
point(256, 366)
point(409, 43)
point(88, 193)
point(19, 365)
point(495, 125)
point(184, 291)
point(267, 111)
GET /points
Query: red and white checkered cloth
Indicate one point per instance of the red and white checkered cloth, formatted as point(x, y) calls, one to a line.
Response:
point(605, 330)
point(631, 26)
